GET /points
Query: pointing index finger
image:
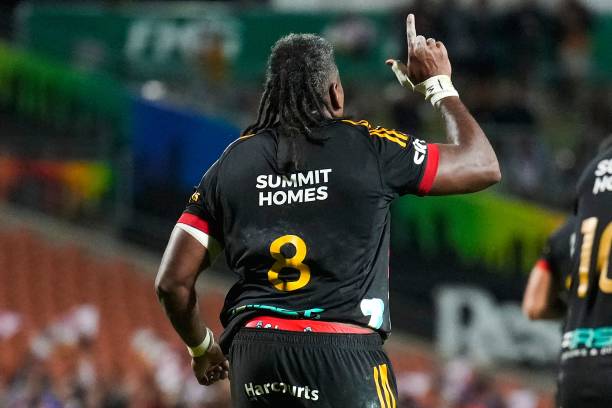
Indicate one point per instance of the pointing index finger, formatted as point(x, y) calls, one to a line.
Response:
point(411, 34)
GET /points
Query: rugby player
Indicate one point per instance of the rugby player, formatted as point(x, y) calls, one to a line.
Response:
point(586, 349)
point(545, 294)
point(300, 205)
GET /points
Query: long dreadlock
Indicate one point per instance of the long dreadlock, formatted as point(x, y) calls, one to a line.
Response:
point(299, 72)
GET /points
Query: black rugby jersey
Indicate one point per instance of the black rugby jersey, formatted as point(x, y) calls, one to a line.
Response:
point(587, 338)
point(558, 253)
point(312, 244)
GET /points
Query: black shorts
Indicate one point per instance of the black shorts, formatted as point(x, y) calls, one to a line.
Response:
point(277, 368)
point(584, 388)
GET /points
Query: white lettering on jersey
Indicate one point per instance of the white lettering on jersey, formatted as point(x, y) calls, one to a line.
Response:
point(325, 173)
point(287, 189)
point(603, 177)
point(265, 198)
point(305, 178)
point(322, 193)
point(602, 184)
point(603, 167)
point(420, 150)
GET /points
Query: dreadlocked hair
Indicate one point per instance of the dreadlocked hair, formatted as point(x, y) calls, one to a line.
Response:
point(300, 70)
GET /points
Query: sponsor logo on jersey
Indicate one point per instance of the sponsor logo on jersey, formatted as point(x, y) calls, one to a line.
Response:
point(420, 150)
point(255, 390)
point(587, 342)
point(195, 197)
point(294, 188)
point(603, 177)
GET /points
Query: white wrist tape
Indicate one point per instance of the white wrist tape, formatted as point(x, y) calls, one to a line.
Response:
point(435, 88)
point(203, 347)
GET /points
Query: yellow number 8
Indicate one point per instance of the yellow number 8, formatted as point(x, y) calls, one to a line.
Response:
point(295, 262)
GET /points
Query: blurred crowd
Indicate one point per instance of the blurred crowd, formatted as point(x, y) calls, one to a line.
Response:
point(61, 368)
point(72, 382)
point(527, 74)
point(458, 384)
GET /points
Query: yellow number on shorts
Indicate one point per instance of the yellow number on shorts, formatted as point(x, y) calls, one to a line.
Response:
point(588, 228)
point(295, 262)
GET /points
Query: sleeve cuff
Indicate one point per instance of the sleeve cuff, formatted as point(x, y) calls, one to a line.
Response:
point(431, 169)
point(543, 264)
point(195, 222)
point(199, 229)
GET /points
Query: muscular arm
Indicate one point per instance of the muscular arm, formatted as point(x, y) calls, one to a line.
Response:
point(175, 285)
point(467, 162)
point(540, 300)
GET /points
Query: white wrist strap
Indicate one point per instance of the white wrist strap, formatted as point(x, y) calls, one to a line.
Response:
point(435, 88)
point(203, 347)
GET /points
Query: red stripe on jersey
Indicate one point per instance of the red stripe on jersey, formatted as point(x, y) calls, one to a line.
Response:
point(543, 264)
point(195, 222)
point(431, 169)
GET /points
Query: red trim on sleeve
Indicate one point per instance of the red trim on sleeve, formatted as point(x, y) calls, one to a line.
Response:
point(195, 222)
point(543, 264)
point(431, 169)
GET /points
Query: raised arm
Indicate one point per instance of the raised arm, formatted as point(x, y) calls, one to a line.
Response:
point(467, 161)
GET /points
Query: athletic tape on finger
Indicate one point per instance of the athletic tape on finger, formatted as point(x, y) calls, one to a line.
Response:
point(434, 89)
point(401, 77)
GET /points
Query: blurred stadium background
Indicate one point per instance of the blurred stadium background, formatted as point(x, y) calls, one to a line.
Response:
point(111, 110)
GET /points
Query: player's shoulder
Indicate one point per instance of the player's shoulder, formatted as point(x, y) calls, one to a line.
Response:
point(241, 149)
point(567, 227)
point(248, 142)
point(563, 233)
point(602, 161)
point(360, 124)
point(255, 137)
point(379, 133)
